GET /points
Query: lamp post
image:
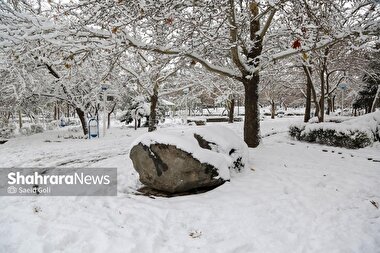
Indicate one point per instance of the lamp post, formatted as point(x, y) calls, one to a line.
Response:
point(342, 87)
point(186, 92)
point(104, 90)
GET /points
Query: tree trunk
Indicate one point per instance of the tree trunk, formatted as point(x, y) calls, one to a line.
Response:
point(313, 92)
point(109, 116)
point(329, 105)
point(333, 104)
point(231, 105)
point(252, 113)
point(321, 115)
point(109, 120)
point(308, 94)
point(68, 110)
point(20, 119)
point(316, 112)
point(376, 100)
point(251, 118)
point(308, 104)
point(83, 120)
point(273, 109)
point(153, 105)
point(55, 112)
point(328, 95)
point(58, 112)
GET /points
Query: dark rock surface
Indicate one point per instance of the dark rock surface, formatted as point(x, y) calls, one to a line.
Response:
point(167, 168)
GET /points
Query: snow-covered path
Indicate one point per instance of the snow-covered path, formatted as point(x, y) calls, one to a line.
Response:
point(295, 197)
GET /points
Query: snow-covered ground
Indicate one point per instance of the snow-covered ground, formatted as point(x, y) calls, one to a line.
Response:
point(294, 197)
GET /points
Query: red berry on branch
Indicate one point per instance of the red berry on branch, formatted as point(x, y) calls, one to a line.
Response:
point(296, 44)
point(169, 21)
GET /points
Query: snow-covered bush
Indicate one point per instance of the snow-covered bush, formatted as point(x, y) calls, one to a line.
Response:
point(296, 129)
point(52, 125)
point(334, 119)
point(138, 109)
point(75, 129)
point(198, 121)
point(355, 133)
point(74, 122)
point(337, 119)
point(25, 130)
point(72, 136)
point(7, 131)
point(36, 128)
point(31, 129)
point(170, 122)
point(313, 120)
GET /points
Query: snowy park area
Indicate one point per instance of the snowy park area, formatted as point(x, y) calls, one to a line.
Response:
point(212, 126)
point(292, 197)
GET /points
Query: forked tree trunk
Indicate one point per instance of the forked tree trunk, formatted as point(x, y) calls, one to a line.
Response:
point(251, 117)
point(252, 113)
point(83, 120)
point(231, 105)
point(313, 92)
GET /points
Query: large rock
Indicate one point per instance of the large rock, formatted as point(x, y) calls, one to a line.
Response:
point(167, 168)
point(176, 161)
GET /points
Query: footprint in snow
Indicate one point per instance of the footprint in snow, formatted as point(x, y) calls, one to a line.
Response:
point(195, 234)
point(375, 204)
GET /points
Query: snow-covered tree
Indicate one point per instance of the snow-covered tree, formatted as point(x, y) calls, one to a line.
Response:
point(235, 39)
point(368, 97)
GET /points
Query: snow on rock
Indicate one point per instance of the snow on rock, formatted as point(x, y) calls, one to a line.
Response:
point(226, 145)
point(225, 141)
point(216, 146)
